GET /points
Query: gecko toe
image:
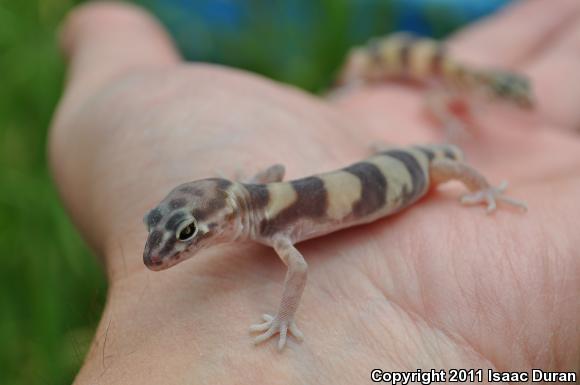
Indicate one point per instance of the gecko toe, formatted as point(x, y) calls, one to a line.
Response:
point(272, 326)
point(490, 196)
point(282, 340)
point(264, 336)
point(514, 202)
point(491, 205)
point(295, 331)
point(259, 327)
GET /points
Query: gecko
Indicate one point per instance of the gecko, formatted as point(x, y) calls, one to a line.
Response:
point(279, 214)
point(454, 88)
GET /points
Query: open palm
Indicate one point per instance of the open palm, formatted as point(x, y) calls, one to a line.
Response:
point(436, 286)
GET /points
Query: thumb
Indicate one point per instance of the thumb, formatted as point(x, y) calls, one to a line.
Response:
point(104, 39)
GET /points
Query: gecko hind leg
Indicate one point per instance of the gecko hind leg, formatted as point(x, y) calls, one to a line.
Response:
point(274, 173)
point(443, 170)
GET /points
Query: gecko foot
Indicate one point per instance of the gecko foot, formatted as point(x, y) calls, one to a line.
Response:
point(490, 196)
point(272, 326)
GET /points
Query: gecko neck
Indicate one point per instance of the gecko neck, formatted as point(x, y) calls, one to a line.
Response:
point(244, 214)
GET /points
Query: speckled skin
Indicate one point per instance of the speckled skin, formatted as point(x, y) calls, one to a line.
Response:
point(281, 214)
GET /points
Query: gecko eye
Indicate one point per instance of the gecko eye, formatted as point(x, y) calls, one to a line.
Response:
point(187, 232)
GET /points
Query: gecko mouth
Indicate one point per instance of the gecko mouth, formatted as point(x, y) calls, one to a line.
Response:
point(158, 263)
point(154, 262)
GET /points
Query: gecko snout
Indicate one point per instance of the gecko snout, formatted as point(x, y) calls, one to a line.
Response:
point(153, 262)
point(158, 262)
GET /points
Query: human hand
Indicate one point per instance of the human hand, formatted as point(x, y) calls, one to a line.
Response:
point(437, 286)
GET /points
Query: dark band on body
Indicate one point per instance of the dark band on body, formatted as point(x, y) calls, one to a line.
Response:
point(311, 202)
point(259, 195)
point(418, 177)
point(428, 152)
point(438, 59)
point(373, 188)
point(405, 52)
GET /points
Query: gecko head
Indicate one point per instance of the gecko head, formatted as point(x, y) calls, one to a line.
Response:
point(191, 217)
point(510, 86)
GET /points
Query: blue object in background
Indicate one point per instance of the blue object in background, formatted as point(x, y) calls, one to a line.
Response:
point(302, 41)
point(434, 17)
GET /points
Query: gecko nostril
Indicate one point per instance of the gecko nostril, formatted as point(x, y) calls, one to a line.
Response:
point(150, 260)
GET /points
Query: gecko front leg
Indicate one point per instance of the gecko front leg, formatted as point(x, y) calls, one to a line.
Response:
point(443, 170)
point(293, 288)
point(274, 173)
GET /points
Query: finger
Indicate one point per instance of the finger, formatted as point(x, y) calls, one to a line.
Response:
point(102, 40)
point(557, 80)
point(510, 37)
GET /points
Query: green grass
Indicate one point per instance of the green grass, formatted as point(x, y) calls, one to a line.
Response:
point(51, 289)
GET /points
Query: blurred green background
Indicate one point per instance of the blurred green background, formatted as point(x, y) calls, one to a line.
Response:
point(52, 289)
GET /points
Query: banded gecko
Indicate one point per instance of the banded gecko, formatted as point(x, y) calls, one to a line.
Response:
point(453, 86)
point(206, 212)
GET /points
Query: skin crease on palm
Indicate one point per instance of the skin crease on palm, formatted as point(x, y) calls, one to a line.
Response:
point(436, 286)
